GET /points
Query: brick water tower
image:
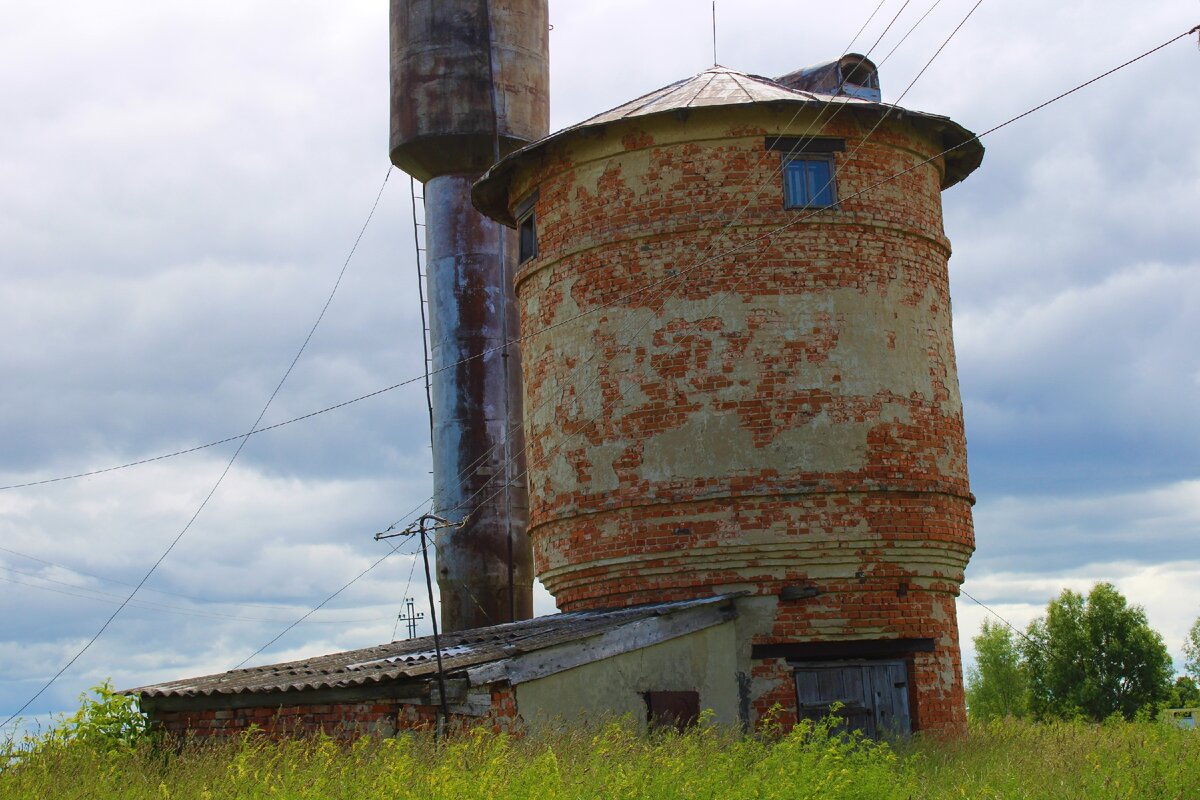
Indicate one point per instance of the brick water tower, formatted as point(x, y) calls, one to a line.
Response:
point(746, 376)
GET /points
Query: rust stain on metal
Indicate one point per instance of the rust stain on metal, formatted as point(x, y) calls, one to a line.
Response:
point(477, 447)
point(441, 90)
point(466, 73)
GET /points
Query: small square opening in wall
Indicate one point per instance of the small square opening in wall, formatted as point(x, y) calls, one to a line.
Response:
point(678, 710)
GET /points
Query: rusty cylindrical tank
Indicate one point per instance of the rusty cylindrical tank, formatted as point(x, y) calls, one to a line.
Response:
point(786, 419)
point(470, 80)
point(442, 82)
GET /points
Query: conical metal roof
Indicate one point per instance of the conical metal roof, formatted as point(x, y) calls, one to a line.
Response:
point(721, 86)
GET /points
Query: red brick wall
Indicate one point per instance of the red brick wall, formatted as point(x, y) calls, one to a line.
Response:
point(340, 720)
point(806, 428)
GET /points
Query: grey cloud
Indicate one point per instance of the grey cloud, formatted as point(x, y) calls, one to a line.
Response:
point(1053, 534)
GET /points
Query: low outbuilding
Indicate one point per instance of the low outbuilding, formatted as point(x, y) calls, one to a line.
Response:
point(661, 662)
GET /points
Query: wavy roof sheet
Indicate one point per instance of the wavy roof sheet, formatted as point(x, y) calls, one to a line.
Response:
point(414, 659)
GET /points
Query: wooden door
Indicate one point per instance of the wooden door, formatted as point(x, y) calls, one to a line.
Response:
point(873, 696)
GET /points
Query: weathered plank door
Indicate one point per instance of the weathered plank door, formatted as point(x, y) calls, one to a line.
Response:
point(873, 695)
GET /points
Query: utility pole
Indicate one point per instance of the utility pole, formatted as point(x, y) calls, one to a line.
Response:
point(423, 526)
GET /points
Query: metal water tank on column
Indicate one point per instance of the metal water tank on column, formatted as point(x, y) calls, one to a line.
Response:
point(469, 85)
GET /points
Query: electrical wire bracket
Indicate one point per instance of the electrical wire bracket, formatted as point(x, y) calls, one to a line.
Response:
point(423, 526)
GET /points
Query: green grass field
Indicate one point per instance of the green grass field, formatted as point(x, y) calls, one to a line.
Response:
point(1002, 760)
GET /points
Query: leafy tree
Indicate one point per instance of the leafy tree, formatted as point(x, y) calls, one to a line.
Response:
point(1191, 651)
point(997, 685)
point(1184, 694)
point(1095, 657)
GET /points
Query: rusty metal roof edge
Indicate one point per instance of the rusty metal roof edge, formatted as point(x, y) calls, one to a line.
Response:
point(490, 193)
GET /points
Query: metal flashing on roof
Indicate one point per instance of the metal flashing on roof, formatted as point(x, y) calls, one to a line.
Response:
point(853, 74)
point(569, 639)
point(724, 87)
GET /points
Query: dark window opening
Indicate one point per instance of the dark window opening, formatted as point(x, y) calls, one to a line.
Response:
point(861, 74)
point(809, 182)
point(804, 145)
point(527, 243)
point(527, 233)
point(678, 710)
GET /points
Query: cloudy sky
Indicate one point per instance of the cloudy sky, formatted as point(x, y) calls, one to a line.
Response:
point(180, 184)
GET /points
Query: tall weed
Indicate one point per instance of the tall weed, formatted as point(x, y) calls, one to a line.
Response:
point(1001, 759)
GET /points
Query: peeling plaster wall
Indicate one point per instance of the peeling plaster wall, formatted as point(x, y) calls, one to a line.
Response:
point(704, 662)
point(764, 400)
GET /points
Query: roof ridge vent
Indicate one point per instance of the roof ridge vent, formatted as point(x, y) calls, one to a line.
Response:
point(853, 74)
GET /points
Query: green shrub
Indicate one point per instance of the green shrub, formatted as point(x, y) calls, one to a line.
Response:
point(107, 721)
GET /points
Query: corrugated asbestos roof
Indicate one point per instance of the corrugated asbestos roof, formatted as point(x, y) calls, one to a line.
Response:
point(414, 659)
point(721, 86)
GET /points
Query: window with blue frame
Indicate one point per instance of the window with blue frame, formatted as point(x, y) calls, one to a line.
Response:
point(808, 182)
point(809, 169)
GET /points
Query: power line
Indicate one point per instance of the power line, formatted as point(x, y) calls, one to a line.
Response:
point(904, 38)
point(322, 604)
point(1002, 619)
point(864, 27)
point(106, 579)
point(391, 552)
point(228, 466)
point(148, 605)
point(888, 27)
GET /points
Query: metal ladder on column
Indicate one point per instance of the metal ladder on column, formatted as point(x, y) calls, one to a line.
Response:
point(418, 201)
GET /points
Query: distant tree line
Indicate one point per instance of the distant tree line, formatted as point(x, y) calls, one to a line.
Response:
point(1090, 657)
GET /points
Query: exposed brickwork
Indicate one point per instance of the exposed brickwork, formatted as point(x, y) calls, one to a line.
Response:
point(505, 717)
point(340, 720)
point(771, 404)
